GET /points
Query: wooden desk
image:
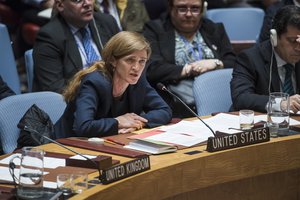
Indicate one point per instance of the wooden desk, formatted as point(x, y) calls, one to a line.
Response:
point(263, 171)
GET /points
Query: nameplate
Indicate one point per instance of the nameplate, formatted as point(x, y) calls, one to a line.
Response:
point(245, 138)
point(124, 170)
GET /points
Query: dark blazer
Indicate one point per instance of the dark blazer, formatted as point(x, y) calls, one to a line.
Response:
point(56, 55)
point(161, 35)
point(251, 76)
point(90, 115)
point(162, 67)
point(269, 14)
point(5, 91)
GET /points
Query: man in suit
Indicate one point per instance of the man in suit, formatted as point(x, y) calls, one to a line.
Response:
point(270, 13)
point(185, 45)
point(61, 46)
point(265, 67)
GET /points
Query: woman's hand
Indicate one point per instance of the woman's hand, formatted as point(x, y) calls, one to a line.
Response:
point(130, 122)
point(199, 67)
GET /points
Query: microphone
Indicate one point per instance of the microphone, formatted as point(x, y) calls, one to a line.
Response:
point(31, 130)
point(162, 87)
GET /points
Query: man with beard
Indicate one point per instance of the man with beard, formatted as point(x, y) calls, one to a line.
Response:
point(271, 66)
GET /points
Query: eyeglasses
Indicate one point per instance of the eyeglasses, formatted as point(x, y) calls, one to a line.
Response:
point(182, 10)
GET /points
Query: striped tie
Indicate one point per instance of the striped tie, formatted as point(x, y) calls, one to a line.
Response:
point(288, 84)
point(91, 55)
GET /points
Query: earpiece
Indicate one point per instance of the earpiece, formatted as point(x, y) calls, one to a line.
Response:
point(205, 4)
point(273, 37)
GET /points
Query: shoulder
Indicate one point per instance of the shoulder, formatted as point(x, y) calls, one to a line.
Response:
point(102, 18)
point(211, 26)
point(55, 28)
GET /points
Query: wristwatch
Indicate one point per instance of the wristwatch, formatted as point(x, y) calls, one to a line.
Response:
point(218, 63)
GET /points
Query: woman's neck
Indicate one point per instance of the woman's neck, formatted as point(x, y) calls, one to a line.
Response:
point(188, 36)
point(119, 87)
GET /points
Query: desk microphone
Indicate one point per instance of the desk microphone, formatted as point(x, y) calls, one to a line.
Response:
point(31, 130)
point(162, 87)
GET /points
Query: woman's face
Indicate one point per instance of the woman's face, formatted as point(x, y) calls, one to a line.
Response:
point(186, 15)
point(130, 67)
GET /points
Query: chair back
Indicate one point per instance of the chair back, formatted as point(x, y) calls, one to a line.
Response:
point(8, 68)
point(212, 91)
point(13, 108)
point(29, 68)
point(240, 23)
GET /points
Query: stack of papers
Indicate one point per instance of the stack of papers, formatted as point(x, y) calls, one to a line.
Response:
point(151, 146)
point(190, 133)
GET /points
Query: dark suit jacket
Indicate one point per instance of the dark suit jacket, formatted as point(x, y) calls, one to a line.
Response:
point(56, 55)
point(90, 114)
point(269, 14)
point(162, 67)
point(251, 76)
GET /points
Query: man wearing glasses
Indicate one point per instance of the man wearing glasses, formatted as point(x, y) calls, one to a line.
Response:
point(71, 41)
point(185, 45)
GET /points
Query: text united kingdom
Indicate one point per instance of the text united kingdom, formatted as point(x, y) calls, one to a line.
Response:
point(126, 169)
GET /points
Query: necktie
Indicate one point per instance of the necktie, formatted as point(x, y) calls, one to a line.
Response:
point(91, 55)
point(288, 84)
point(121, 4)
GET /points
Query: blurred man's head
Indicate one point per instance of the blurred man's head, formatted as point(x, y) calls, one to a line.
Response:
point(76, 12)
point(286, 22)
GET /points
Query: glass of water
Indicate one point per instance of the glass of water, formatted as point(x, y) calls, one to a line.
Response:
point(278, 114)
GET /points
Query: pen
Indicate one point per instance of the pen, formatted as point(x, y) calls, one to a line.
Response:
point(113, 141)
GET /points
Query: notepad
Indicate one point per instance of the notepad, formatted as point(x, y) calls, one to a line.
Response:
point(151, 146)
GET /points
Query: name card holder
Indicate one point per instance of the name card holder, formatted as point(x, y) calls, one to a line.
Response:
point(126, 169)
point(230, 141)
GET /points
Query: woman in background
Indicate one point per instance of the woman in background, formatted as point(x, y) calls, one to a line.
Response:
point(113, 96)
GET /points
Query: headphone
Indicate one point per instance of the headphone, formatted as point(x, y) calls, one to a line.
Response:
point(205, 4)
point(273, 37)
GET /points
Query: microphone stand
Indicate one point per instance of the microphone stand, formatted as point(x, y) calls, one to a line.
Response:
point(164, 88)
point(26, 128)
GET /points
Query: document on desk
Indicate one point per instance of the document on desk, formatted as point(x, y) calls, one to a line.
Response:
point(49, 162)
point(189, 133)
point(5, 176)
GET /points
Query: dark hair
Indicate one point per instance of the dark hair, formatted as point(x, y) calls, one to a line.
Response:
point(171, 4)
point(286, 16)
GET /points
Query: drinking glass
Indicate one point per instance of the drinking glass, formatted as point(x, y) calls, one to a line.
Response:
point(79, 182)
point(278, 119)
point(246, 119)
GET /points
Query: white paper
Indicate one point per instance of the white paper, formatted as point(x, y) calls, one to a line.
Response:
point(79, 157)
point(49, 162)
point(189, 133)
point(5, 174)
point(45, 13)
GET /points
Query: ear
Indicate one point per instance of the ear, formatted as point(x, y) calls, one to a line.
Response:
point(113, 62)
point(59, 5)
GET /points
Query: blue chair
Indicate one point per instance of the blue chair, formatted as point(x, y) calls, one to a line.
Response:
point(13, 108)
point(8, 68)
point(212, 91)
point(29, 68)
point(240, 23)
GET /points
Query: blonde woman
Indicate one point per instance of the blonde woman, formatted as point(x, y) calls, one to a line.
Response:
point(113, 96)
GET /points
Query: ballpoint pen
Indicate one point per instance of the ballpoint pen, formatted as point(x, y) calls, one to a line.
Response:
point(114, 141)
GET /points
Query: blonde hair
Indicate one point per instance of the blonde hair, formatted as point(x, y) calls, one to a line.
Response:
point(120, 45)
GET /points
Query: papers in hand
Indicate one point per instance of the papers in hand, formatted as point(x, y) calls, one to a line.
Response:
point(151, 146)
